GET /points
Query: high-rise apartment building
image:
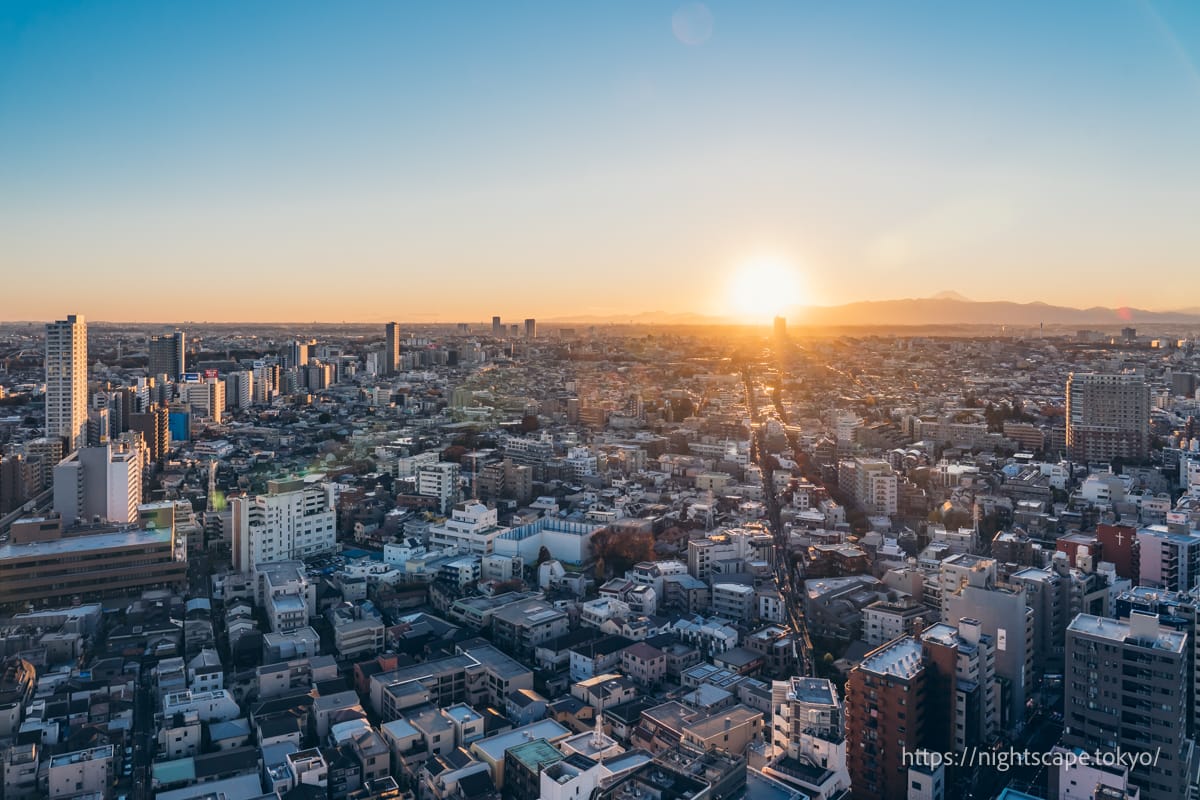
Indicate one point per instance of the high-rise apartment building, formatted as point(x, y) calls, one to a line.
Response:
point(153, 425)
point(1108, 416)
point(295, 519)
point(265, 382)
point(239, 389)
point(391, 353)
point(969, 589)
point(66, 381)
point(963, 659)
point(870, 483)
point(299, 353)
point(886, 708)
point(497, 327)
point(206, 399)
point(167, 355)
point(531, 329)
point(440, 480)
point(1168, 559)
point(1125, 691)
point(99, 482)
point(1180, 612)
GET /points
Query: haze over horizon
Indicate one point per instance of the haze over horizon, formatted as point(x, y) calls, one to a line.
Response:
point(273, 162)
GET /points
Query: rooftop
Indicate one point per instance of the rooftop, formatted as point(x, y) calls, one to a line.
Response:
point(86, 543)
point(494, 746)
point(1140, 629)
point(813, 690)
point(535, 754)
point(91, 754)
point(900, 658)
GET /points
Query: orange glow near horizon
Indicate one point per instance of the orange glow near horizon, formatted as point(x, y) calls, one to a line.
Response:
point(763, 288)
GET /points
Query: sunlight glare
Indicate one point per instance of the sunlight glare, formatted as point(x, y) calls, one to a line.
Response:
point(762, 289)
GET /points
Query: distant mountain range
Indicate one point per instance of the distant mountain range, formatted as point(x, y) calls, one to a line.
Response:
point(945, 308)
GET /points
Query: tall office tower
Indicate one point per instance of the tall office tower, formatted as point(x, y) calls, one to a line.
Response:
point(531, 328)
point(152, 424)
point(1108, 416)
point(391, 354)
point(295, 519)
point(166, 355)
point(103, 482)
point(886, 711)
point(781, 327)
point(497, 327)
point(239, 389)
point(66, 381)
point(207, 399)
point(1125, 692)
point(299, 353)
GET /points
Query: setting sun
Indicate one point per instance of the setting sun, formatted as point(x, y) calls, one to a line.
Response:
point(762, 289)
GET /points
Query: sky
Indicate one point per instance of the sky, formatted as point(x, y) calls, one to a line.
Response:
point(368, 161)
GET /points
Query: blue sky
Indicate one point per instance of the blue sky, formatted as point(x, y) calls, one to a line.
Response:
point(355, 160)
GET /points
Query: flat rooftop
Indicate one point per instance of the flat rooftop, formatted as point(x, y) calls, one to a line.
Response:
point(91, 754)
point(1123, 631)
point(494, 746)
point(900, 658)
point(69, 545)
point(813, 690)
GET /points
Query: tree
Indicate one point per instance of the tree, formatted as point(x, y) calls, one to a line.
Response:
point(620, 550)
point(543, 555)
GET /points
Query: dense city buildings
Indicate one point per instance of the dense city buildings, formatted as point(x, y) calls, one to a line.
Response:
point(636, 552)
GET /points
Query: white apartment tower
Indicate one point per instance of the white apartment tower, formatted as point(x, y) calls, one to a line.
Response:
point(66, 380)
point(99, 482)
point(439, 480)
point(295, 519)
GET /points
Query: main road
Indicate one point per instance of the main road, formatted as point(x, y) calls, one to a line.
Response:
point(789, 589)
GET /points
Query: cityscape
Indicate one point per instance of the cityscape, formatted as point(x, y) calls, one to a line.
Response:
point(636, 400)
point(510, 559)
